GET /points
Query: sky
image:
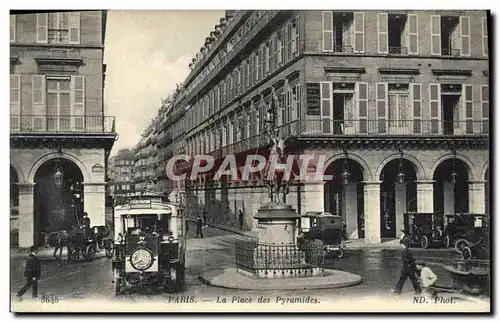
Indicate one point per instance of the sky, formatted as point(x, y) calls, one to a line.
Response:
point(147, 53)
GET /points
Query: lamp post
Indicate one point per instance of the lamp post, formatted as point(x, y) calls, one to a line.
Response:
point(58, 174)
point(345, 173)
point(454, 173)
point(401, 175)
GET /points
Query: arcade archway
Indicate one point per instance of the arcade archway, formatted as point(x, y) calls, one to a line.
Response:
point(451, 187)
point(345, 197)
point(14, 207)
point(57, 205)
point(398, 194)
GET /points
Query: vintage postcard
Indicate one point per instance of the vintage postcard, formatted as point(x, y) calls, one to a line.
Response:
point(250, 161)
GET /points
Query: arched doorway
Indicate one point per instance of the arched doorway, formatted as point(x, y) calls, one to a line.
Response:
point(346, 199)
point(487, 190)
point(14, 207)
point(396, 197)
point(451, 197)
point(56, 207)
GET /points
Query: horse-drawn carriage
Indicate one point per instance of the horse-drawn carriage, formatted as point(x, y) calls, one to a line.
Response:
point(80, 241)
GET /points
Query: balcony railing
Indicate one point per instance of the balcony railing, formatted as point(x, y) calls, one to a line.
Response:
point(62, 124)
point(398, 50)
point(450, 52)
point(392, 127)
point(342, 49)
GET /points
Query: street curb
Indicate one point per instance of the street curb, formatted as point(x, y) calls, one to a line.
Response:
point(225, 228)
point(209, 278)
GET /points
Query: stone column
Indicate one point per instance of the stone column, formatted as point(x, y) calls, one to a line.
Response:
point(400, 189)
point(94, 202)
point(350, 205)
point(217, 206)
point(312, 197)
point(372, 212)
point(476, 197)
point(26, 214)
point(449, 198)
point(425, 196)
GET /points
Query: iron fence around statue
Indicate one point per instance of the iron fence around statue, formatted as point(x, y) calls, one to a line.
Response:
point(252, 256)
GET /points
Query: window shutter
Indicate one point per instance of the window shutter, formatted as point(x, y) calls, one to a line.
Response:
point(465, 36)
point(328, 31)
point(296, 102)
point(258, 67)
point(436, 35)
point(435, 108)
point(413, 34)
point(485, 108)
point(295, 42)
point(359, 32)
point(282, 47)
point(383, 35)
point(12, 28)
point(15, 102)
point(78, 100)
point(416, 111)
point(362, 106)
point(485, 36)
point(41, 28)
point(38, 100)
point(382, 102)
point(468, 108)
point(326, 107)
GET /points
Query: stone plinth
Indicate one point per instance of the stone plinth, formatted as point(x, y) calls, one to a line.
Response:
point(277, 223)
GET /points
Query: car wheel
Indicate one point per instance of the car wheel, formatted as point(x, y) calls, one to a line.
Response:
point(340, 253)
point(110, 249)
point(447, 242)
point(424, 242)
point(90, 252)
point(459, 245)
point(466, 253)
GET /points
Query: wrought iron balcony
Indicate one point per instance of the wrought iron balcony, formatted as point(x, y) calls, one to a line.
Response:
point(398, 50)
point(62, 124)
point(342, 49)
point(392, 127)
point(450, 52)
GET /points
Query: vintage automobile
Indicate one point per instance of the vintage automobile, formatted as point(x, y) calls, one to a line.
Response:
point(150, 244)
point(422, 229)
point(323, 227)
point(464, 229)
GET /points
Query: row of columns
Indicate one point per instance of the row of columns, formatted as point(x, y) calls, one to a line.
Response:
point(94, 205)
point(314, 194)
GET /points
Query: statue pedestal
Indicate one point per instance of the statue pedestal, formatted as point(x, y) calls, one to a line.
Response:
point(276, 254)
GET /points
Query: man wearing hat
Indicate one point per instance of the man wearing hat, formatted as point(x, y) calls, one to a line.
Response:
point(408, 270)
point(32, 272)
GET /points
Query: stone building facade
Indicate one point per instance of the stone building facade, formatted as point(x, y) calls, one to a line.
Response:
point(57, 121)
point(376, 94)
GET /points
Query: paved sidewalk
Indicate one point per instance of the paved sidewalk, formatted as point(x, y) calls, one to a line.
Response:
point(230, 278)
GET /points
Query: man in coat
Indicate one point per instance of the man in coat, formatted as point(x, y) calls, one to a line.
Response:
point(199, 224)
point(241, 218)
point(32, 273)
point(205, 217)
point(409, 269)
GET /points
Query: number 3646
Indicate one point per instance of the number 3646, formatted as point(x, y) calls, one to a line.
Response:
point(50, 299)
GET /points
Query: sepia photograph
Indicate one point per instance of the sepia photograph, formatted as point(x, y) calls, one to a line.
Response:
point(291, 160)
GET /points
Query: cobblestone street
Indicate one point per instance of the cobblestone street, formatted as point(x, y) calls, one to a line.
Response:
point(378, 268)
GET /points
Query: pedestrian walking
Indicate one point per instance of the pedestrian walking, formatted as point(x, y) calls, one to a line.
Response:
point(205, 217)
point(408, 270)
point(241, 218)
point(427, 279)
point(32, 273)
point(199, 224)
